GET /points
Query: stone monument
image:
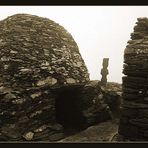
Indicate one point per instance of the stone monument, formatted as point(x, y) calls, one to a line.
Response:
point(104, 71)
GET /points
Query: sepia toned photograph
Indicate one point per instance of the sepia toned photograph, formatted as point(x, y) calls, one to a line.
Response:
point(73, 74)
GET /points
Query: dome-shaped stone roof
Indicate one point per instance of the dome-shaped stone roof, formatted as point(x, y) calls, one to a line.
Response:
point(36, 56)
point(36, 51)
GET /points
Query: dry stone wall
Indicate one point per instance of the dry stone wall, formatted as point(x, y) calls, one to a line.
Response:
point(36, 55)
point(134, 120)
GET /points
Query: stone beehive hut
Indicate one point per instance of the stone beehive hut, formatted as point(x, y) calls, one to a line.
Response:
point(134, 120)
point(37, 56)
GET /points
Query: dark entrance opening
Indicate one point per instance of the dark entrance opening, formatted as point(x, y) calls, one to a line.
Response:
point(68, 111)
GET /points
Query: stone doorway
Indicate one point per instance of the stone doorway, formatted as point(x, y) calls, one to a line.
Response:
point(68, 110)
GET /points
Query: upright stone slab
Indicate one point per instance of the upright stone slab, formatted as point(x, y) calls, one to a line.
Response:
point(104, 71)
point(37, 55)
point(134, 120)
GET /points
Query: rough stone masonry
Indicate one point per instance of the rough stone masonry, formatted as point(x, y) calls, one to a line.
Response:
point(37, 55)
point(134, 120)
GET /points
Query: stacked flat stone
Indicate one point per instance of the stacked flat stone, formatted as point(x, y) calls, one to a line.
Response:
point(93, 105)
point(134, 120)
point(37, 55)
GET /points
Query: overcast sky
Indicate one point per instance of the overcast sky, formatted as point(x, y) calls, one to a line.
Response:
point(100, 31)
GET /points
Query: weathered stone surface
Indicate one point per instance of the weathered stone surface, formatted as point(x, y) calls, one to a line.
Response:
point(134, 116)
point(102, 132)
point(104, 71)
point(93, 106)
point(29, 136)
point(40, 50)
point(101, 103)
point(37, 55)
point(140, 122)
point(113, 100)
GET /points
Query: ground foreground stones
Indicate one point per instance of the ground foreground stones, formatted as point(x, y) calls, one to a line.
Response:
point(134, 120)
point(103, 132)
point(37, 56)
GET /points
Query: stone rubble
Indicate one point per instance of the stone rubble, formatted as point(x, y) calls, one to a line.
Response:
point(94, 108)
